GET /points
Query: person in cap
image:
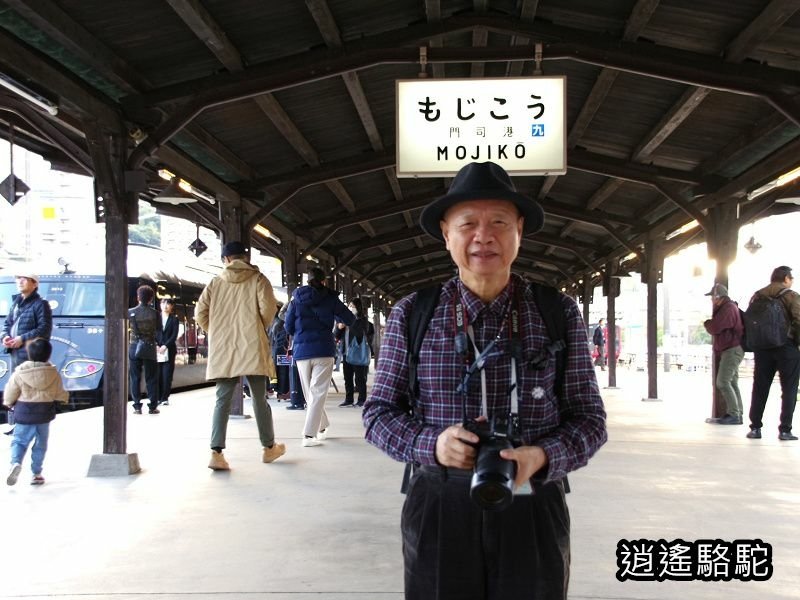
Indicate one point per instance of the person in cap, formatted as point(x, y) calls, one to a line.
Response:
point(452, 546)
point(726, 329)
point(309, 320)
point(784, 359)
point(235, 309)
point(29, 317)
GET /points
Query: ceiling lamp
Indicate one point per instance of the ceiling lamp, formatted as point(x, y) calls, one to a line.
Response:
point(175, 194)
point(752, 245)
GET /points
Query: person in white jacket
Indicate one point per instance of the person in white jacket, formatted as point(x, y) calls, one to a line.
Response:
point(32, 391)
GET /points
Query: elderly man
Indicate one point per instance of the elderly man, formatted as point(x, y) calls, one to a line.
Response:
point(725, 325)
point(236, 308)
point(29, 317)
point(483, 368)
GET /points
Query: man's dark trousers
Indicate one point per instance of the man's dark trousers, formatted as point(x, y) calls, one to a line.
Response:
point(786, 361)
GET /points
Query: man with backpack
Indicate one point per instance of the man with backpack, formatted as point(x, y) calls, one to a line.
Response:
point(725, 325)
point(772, 326)
point(493, 409)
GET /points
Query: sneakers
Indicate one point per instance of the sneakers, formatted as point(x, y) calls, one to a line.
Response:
point(37, 479)
point(137, 411)
point(13, 474)
point(152, 411)
point(310, 442)
point(322, 434)
point(359, 404)
point(273, 453)
point(347, 403)
point(786, 436)
point(218, 462)
point(754, 433)
point(164, 403)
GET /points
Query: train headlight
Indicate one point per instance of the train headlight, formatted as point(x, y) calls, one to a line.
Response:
point(82, 367)
point(3, 367)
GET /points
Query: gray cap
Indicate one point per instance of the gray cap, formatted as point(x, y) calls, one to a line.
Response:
point(718, 291)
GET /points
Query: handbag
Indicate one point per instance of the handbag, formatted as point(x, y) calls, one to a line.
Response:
point(358, 353)
point(143, 349)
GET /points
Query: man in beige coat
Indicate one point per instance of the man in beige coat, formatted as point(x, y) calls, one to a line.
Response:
point(235, 309)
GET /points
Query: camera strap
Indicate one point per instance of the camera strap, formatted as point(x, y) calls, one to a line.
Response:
point(464, 332)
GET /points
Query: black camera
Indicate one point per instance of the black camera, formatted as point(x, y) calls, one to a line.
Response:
point(492, 486)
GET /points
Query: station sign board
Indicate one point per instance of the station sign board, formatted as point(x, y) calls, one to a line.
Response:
point(517, 122)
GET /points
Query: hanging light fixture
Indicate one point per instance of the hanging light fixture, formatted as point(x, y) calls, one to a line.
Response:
point(12, 188)
point(175, 194)
point(198, 246)
point(752, 245)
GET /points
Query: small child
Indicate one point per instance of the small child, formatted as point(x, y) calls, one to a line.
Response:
point(33, 390)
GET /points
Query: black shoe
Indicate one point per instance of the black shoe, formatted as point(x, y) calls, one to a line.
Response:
point(293, 407)
point(164, 403)
point(153, 411)
point(359, 404)
point(730, 420)
point(137, 411)
point(754, 433)
point(346, 403)
point(786, 436)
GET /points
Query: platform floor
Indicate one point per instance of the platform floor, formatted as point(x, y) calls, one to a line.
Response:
point(323, 523)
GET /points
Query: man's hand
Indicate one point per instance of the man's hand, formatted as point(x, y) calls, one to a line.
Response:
point(10, 342)
point(453, 447)
point(529, 460)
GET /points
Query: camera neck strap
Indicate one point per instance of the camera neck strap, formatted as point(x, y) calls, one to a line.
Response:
point(465, 337)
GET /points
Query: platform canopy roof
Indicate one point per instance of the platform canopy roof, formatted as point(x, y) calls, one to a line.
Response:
point(675, 108)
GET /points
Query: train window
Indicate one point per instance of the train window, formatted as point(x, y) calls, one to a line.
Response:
point(66, 298)
point(75, 299)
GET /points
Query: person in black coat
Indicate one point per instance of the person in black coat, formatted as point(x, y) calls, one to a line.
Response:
point(279, 341)
point(167, 335)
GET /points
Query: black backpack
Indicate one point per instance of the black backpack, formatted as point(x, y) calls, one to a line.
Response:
point(424, 305)
point(765, 322)
point(745, 344)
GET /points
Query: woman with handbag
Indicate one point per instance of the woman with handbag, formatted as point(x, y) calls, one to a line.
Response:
point(144, 322)
point(357, 343)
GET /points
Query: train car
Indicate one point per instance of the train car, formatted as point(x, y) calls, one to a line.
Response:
point(77, 299)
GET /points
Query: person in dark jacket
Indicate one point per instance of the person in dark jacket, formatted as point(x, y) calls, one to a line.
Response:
point(309, 320)
point(599, 341)
point(279, 342)
point(144, 323)
point(784, 359)
point(725, 325)
point(29, 318)
point(33, 390)
point(167, 336)
point(361, 327)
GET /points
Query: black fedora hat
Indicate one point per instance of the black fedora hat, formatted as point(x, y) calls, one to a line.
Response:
point(481, 181)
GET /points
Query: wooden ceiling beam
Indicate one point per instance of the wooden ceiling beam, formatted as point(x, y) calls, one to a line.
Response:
point(527, 13)
point(760, 29)
point(637, 57)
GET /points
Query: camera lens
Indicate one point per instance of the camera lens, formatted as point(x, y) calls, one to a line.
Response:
point(492, 485)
